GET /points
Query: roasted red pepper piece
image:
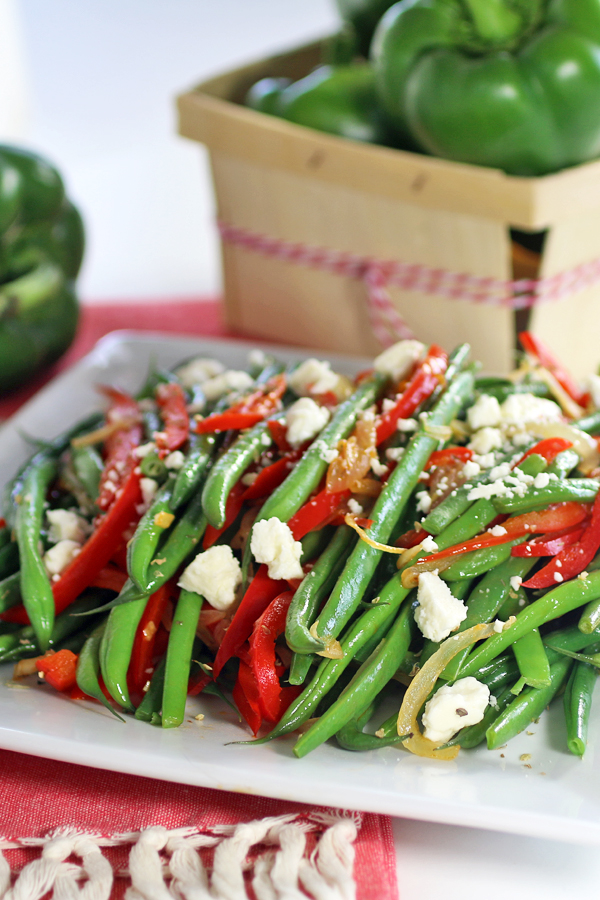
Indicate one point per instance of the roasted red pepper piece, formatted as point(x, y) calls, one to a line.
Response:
point(59, 669)
point(235, 501)
point(110, 578)
point(572, 560)
point(118, 446)
point(278, 431)
point(249, 411)
point(424, 381)
point(536, 348)
point(145, 638)
point(549, 448)
point(197, 684)
point(245, 697)
point(259, 594)
point(272, 476)
point(263, 658)
point(171, 402)
point(94, 555)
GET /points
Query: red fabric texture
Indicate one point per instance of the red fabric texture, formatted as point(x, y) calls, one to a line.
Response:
point(39, 795)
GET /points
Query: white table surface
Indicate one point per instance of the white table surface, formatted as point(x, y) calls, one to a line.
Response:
point(91, 85)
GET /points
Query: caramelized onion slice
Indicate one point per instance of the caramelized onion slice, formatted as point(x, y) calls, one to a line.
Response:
point(424, 682)
point(583, 443)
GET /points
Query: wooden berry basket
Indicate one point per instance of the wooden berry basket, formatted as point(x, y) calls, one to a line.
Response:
point(292, 184)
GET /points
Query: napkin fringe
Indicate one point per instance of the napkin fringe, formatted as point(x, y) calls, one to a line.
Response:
point(282, 857)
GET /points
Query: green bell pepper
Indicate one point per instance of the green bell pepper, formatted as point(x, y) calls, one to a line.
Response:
point(362, 16)
point(41, 250)
point(512, 84)
point(339, 100)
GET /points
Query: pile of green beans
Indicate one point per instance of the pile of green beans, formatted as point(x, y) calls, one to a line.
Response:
point(351, 645)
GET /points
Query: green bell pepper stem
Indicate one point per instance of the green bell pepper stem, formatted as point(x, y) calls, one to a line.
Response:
point(494, 21)
point(526, 707)
point(32, 289)
point(179, 657)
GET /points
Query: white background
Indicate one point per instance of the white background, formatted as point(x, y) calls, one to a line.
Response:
point(91, 84)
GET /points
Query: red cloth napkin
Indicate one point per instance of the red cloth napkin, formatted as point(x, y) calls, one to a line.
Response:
point(40, 795)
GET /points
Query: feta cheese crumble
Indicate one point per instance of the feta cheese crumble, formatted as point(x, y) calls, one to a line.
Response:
point(313, 376)
point(273, 543)
point(485, 440)
point(355, 507)
point(304, 420)
point(520, 408)
point(58, 557)
point(174, 460)
point(454, 707)
point(397, 361)
point(199, 370)
point(215, 575)
point(484, 412)
point(148, 487)
point(65, 525)
point(439, 612)
point(231, 380)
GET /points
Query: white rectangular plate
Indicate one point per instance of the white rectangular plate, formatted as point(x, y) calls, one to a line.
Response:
point(532, 787)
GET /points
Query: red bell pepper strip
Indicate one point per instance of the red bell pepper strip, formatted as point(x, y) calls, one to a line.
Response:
point(118, 446)
point(548, 547)
point(272, 476)
point(140, 666)
point(316, 512)
point(549, 448)
point(571, 561)
point(245, 697)
point(422, 384)
point(249, 411)
point(110, 578)
point(235, 501)
point(197, 683)
point(94, 555)
point(59, 669)
point(544, 356)
point(278, 431)
point(171, 401)
point(555, 518)
point(259, 594)
point(448, 454)
point(262, 655)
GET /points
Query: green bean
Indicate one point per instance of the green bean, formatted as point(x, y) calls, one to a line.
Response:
point(352, 737)
point(503, 388)
point(360, 566)
point(532, 660)
point(116, 646)
point(486, 600)
point(230, 467)
point(367, 683)
point(563, 463)
point(150, 707)
point(582, 490)
point(557, 602)
point(590, 424)
point(179, 658)
point(36, 589)
point(308, 471)
point(313, 588)
point(88, 668)
point(9, 559)
point(300, 667)
point(526, 707)
point(10, 591)
point(88, 467)
point(590, 617)
point(152, 466)
point(190, 476)
point(578, 703)
point(141, 549)
point(478, 562)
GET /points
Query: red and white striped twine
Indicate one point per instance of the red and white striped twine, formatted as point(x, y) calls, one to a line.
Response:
point(379, 274)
